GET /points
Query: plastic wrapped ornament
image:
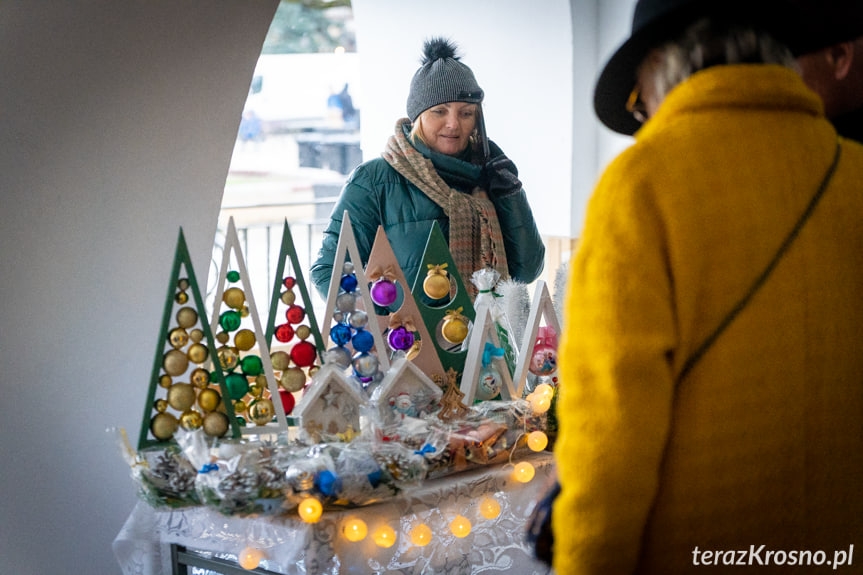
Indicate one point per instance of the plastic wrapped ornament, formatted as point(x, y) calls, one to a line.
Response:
point(400, 339)
point(543, 360)
point(384, 292)
point(365, 365)
point(363, 341)
point(436, 284)
point(340, 334)
point(489, 383)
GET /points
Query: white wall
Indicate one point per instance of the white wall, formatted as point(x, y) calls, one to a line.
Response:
point(119, 119)
point(521, 54)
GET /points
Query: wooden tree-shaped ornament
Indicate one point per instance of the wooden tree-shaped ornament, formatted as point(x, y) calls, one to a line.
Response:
point(446, 322)
point(294, 357)
point(384, 267)
point(344, 303)
point(184, 349)
point(486, 374)
point(249, 375)
point(537, 356)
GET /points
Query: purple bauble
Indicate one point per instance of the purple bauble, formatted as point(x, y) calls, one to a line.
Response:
point(384, 292)
point(400, 339)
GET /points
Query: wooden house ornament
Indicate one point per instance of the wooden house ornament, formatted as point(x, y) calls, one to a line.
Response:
point(405, 391)
point(330, 408)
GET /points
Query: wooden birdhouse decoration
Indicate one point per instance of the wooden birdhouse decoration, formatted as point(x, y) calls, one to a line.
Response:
point(405, 391)
point(330, 408)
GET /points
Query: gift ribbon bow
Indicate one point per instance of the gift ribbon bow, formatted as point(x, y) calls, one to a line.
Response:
point(547, 335)
point(209, 467)
point(455, 313)
point(437, 269)
point(427, 448)
point(387, 273)
point(490, 352)
point(396, 321)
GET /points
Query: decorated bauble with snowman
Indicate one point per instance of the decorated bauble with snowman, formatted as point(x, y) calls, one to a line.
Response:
point(403, 405)
point(489, 383)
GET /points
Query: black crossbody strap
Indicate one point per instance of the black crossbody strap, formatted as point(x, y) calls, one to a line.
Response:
point(759, 281)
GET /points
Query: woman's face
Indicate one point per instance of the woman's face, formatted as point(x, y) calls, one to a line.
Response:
point(446, 128)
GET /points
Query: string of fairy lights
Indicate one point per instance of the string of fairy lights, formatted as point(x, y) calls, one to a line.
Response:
point(354, 529)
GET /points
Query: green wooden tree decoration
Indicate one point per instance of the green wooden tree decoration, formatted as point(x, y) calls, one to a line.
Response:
point(183, 392)
point(448, 315)
point(290, 318)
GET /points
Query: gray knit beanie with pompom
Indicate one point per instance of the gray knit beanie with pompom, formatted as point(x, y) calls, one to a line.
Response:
point(441, 78)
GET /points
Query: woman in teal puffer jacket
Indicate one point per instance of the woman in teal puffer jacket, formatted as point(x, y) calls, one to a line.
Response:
point(436, 168)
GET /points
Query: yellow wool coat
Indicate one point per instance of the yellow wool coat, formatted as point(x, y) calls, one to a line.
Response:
point(762, 442)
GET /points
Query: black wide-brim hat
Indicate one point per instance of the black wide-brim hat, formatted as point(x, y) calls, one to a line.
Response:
point(655, 22)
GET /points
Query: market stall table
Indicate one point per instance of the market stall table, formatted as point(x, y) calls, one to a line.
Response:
point(496, 545)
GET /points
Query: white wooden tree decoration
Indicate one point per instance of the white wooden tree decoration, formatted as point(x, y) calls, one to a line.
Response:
point(330, 408)
point(243, 353)
point(384, 267)
point(405, 391)
point(532, 359)
point(342, 304)
point(479, 381)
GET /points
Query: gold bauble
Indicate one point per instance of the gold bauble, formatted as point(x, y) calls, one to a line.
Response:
point(262, 381)
point(303, 332)
point(215, 424)
point(436, 286)
point(245, 311)
point(200, 378)
point(187, 317)
point(191, 420)
point(281, 360)
point(256, 390)
point(196, 335)
point(198, 353)
point(181, 297)
point(175, 362)
point(181, 396)
point(234, 298)
point(313, 370)
point(178, 337)
point(239, 406)
point(261, 411)
point(209, 399)
point(228, 358)
point(414, 350)
point(163, 426)
point(288, 297)
point(293, 379)
point(245, 339)
point(223, 337)
point(165, 381)
point(454, 329)
point(160, 405)
point(182, 284)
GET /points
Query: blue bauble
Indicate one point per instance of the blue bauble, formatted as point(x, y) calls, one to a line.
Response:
point(340, 334)
point(348, 282)
point(363, 341)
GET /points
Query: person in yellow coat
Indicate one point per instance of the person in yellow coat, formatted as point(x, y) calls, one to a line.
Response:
point(685, 446)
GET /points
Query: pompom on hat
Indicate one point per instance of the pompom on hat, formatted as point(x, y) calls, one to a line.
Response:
point(656, 22)
point(441, 78)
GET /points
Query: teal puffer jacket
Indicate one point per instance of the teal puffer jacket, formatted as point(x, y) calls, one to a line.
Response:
point(375, 194)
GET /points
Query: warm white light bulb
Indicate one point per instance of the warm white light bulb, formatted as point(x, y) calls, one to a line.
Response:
point(537, 440)
point(524, 472)
point(250, 558)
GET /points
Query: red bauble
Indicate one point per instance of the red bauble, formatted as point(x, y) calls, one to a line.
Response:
point(289, 282)
point(288, 400)
point(303, 354)
point(284, 333)
point(295, 314)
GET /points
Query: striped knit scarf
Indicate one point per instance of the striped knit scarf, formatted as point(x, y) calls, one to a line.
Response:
point(475, 239)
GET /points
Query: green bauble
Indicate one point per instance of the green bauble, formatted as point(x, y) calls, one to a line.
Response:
point(230, 320)
point(238, 385)
point(252, 365)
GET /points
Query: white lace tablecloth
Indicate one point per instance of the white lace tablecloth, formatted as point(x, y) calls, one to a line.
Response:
point(494, 545)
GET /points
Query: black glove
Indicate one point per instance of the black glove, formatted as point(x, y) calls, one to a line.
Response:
point(501, 176)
